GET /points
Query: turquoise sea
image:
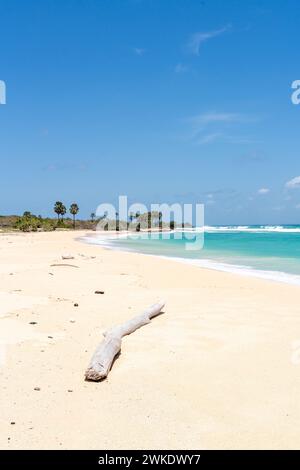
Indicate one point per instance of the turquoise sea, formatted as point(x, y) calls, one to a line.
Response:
point(271, 252)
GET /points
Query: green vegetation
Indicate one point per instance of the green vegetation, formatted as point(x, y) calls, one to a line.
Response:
point(29, 222)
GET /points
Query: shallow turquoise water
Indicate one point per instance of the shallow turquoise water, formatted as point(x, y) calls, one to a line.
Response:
point(275, 249)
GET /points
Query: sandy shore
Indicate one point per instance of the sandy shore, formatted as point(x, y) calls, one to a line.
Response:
point(218, 370)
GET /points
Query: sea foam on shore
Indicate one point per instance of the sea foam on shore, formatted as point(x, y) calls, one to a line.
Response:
point(266, 252)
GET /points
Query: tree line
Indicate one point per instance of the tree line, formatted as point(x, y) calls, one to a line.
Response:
point(60, 210)
point(136, 221)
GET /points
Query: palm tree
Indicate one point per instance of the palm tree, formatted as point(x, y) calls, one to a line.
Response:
point(160, 220)
point(63, 211)
point(93, 215)
point(58, 208)
point(138, 225)
point(74, 209)
point(149, 219)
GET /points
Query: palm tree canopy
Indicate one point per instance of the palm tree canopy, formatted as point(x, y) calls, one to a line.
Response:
point(74, 209)
point(57, 207)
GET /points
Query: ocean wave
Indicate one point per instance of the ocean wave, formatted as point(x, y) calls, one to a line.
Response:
point(247, 271)
point(240, 269)
point(252, 228)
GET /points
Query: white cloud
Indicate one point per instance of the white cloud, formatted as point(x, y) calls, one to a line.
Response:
point(212, 117)
point(209, 127)
point(199, 38)
point(293, 183)
point(297, 206)
point(199, 122)
point(263, 191)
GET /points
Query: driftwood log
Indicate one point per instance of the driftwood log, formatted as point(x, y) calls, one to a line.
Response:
point(110, 346)
point(67, 257)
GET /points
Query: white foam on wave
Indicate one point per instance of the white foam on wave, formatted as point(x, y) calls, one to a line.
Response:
point(252, 229)
point(243, 270)
point(102, 239)
point(278, 276)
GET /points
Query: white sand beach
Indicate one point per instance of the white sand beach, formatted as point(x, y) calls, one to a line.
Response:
point(220, 369)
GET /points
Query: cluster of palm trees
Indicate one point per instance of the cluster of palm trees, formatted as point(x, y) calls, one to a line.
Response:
point(148, 219)
point(60, 210)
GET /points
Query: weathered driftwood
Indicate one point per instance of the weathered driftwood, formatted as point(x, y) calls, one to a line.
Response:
point(110, 346)
point(67, 257)
point(60, 264)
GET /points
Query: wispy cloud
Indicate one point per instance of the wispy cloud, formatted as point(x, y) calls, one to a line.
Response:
point(212, 117)
point(53, 167)
point(252, 157)
point(197, 39)
point(210, 200)
point(210, 127)
point(201, 122)
point(293, 183)
point(180, 68)
point(139, 51)
point(45, 132)
point(209, 138)
point(233, 139)
point(227, 139)
point(263, 191)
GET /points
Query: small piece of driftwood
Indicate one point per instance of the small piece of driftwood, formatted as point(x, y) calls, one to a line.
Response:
point(69, 265)
point(110, 346)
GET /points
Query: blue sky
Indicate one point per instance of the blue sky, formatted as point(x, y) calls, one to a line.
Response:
point(182, 101)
